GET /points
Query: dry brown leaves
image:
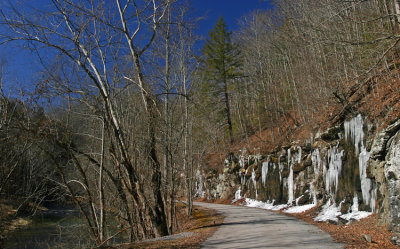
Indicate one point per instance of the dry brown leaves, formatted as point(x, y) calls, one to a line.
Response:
point(352, 234)
point(203, 223)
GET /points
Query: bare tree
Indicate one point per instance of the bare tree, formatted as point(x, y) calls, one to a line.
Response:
point(91, 38)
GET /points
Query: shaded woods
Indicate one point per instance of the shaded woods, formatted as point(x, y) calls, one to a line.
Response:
point(126, 109)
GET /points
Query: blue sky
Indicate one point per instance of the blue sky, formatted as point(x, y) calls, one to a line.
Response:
point(22, 66)
point(231, 10)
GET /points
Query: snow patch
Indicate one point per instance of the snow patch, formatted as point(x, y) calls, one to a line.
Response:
point(332, 212)
point(354, 213)
point(329, 212)
point(263, 205)
point(356, 216)
point(299, 209)
point(269, 205)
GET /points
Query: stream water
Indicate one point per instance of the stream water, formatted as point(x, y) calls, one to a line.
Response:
point(55, 228)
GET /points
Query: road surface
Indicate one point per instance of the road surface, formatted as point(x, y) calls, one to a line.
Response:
point(245, 227)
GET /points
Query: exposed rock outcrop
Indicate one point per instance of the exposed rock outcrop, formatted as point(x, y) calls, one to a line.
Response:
point(350, 167)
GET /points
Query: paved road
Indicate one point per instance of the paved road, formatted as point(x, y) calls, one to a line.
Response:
point(245, 227)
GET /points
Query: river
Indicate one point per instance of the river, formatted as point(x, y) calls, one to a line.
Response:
point(54, 228)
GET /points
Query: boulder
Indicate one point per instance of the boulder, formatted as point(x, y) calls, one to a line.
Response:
point(367, 238)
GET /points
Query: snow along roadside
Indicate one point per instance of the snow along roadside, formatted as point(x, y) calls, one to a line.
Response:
point(330, 212)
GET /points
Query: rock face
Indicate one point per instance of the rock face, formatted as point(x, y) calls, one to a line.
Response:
point(346, 164)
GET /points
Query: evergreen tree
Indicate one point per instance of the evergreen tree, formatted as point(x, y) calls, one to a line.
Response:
point(221, 62)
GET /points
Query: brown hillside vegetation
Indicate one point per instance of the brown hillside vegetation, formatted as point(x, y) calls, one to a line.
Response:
point(378, 99)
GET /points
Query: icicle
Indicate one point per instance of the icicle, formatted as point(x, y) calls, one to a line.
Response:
point(298, 199)
point(373, 199)
point(244, 177)
point(299, 154)
point(280, 167)
point(333, 172)
point(241, 161)
point(313, 195)
point(199, 185)
point(290, 179)
point(354, 129)
point(354, 207)
point(264, 171)
point(316, 160)
point(365, 182)
point(237, 194)
point(253, 178)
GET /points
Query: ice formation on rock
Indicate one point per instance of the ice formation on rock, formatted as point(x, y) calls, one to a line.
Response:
point(264, 171)
point(280, 166)
point(316, 160)
point(316, 163)
point(290, 179)
point(354, 130)
point(292, 159)
point(313, 195)
point(335, 167)
point(199, 185)
point(253, 178)
point(237, 194)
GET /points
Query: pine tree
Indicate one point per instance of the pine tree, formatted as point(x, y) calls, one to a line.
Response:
point(221, 63)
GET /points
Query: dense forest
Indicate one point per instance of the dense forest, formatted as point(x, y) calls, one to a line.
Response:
point(129, 107)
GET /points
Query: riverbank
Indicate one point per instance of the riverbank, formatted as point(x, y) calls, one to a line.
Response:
point(9, 221)
point(60, 226)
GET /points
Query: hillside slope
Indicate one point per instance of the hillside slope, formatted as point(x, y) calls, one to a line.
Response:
point(346, 163)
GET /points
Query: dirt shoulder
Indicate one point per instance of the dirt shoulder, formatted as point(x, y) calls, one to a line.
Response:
point(355, 234)
point(201, 225)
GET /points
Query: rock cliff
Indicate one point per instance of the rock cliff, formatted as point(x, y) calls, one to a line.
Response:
point(354, 166)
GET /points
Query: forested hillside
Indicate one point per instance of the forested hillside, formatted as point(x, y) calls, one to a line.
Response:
point(133, 111)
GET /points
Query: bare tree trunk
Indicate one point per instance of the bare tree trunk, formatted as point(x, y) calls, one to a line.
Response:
point(101, 190)
point(228, 111)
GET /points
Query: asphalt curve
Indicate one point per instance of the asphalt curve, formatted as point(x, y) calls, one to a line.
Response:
point(245, 227)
